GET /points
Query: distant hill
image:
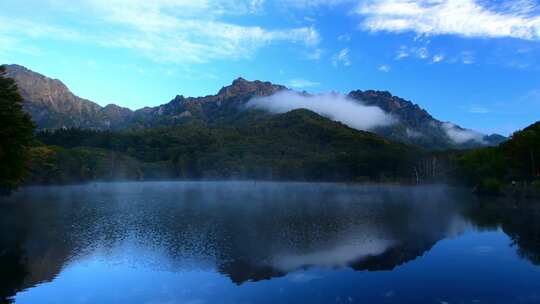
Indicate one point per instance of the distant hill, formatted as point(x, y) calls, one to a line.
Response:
point(53, 106)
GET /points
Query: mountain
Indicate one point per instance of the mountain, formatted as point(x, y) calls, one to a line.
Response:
point(53, 106)
point(227, 105)
point(416, 126)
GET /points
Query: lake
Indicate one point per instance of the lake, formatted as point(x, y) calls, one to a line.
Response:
point(247, 242)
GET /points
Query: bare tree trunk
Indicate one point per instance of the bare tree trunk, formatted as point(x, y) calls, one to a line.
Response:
point(434, 167)
point(533, 164)
point(111, 170)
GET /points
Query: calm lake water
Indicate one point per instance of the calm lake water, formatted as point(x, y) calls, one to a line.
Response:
point(245, 242)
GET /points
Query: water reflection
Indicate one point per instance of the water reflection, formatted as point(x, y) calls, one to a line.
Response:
point(245, 231)
point(520, 220)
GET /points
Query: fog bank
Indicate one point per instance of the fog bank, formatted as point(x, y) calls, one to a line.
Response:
point(334, 106)
point(461, 136)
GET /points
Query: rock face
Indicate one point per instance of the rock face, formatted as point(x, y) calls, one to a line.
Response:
point(416, 126)
point(52, 105)
point(226, 104)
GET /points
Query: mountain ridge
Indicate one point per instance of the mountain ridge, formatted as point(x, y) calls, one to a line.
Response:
point(417, 126)
point(52, 105)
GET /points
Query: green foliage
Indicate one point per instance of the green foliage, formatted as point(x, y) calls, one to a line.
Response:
point(516, 160)
point(16, 129)
point(523, 153)
point(298, 145)
point(57, 165)
point(490, 185)
point(478, 164)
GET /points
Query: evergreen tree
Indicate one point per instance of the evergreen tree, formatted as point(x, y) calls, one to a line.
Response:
point(16, 133)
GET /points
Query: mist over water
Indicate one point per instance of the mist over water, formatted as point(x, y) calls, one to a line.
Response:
point(236, 242)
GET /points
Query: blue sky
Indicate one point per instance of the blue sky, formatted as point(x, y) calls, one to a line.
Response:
point(473, 62)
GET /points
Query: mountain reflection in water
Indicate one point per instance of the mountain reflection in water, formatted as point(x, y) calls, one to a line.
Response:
point(246, 231)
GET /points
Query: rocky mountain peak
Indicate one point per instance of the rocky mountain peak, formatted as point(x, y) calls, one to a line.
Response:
point(404, 109)
point(241, 86)
point(239, 80)
point(52, 105)
point(416, 126)
point(384, 99)
point(44, 91)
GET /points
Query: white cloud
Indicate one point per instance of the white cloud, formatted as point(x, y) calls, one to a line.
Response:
point(384, 68)
point(342, 57)
point(422, 53)
point(256, 5)
point(303, 4)
point(299, 83)
point(335, 106)
point(467, 57)
point(201, 41)
point(316, 54)
point(8, 45)
point(164, 30)
point(181, 30)
point(417, 52)
point(466, 18)
point(34, 30)
point(461, 136)
point(402, 52)
point(437, 58)
point(344, 38)
point(464, 57)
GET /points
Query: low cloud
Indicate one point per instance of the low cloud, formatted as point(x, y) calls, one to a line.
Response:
point(335, 106)
point(461, 136)
point(413, 134)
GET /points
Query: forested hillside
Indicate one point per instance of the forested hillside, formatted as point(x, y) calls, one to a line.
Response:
point(512, 166)
point(298, 145)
